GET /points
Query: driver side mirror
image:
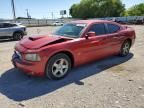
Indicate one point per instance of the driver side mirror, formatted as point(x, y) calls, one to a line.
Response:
point(90, 34)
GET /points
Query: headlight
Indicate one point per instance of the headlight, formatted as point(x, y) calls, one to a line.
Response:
point(32, 57)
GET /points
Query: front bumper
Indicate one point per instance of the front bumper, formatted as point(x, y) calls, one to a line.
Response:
point(34, 68)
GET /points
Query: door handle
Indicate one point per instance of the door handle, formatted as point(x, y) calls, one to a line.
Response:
point(116, 37)
point(94, 42)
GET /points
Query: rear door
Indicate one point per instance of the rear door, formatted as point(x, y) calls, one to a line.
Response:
point(5, 29)
point(115, 37)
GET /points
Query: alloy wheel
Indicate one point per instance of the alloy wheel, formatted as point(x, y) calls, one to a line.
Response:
point(60, 67)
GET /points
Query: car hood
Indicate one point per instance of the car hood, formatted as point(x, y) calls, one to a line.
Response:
point(35, 42)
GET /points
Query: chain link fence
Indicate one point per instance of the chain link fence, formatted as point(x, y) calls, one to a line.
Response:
point(38, 22)
point(48, 22)
point(126, 20)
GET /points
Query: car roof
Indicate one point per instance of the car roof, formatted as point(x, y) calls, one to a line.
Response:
point(10, 23)
point(91, 21)
point(6, 23)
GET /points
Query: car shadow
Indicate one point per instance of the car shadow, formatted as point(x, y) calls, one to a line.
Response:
point(18, 86)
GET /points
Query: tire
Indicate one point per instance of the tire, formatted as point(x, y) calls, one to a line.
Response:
point(58, 66)
point(125, 48)
point(17, 36)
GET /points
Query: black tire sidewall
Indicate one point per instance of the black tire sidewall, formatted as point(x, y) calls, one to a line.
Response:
point(17, 38)
point(51, 61)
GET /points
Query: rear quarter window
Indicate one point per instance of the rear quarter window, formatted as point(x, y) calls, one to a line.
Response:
point(112, 28)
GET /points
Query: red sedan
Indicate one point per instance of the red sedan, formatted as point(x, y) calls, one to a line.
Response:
point(75, 43)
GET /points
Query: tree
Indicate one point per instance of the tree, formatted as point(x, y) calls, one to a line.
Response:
point(97, 8)
point(137, 10)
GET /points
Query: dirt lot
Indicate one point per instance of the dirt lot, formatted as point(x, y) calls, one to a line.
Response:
point(114, 82)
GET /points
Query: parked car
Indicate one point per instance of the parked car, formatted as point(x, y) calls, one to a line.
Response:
point(12, 30)
point(139, 20)
point(74, 44)
point(57, 23)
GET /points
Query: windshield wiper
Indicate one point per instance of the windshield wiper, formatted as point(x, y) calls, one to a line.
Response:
point(70, 36)
point(66, 35)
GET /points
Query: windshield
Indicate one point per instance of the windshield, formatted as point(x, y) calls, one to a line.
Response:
point(72, 30)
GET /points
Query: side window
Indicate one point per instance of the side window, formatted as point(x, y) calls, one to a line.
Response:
point(6, 25)
point(99, 29)
point(1, 25)
point(12, 25)
point(113, 28)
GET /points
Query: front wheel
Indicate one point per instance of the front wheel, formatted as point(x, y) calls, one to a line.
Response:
point(17, 36)
point(58, 66)
point(125, 48)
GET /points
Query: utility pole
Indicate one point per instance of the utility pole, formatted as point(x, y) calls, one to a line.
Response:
point(52, 15)
point(13, 10)
point(28, 15)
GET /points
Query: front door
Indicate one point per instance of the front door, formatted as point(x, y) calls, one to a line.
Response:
point(95, 47)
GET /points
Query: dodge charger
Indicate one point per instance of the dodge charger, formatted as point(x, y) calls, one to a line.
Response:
point(74, 44)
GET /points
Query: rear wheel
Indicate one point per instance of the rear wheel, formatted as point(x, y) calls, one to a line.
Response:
point(58, 66)
point(17, 36)
point(125, 48)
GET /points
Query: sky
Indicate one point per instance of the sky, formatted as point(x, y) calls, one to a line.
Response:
point(44, 8)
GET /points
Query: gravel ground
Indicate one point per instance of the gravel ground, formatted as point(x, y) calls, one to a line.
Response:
point(114, 82)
